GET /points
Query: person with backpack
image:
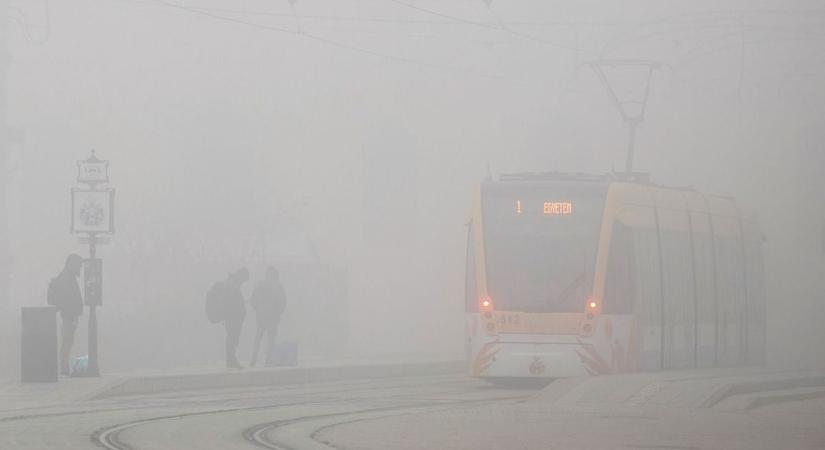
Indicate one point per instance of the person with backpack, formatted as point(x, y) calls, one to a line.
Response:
point(225, 303)
point(268, 300)
point(64, 293)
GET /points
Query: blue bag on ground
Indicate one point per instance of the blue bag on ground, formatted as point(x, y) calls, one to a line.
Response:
point(79, 366)
point(284, 354)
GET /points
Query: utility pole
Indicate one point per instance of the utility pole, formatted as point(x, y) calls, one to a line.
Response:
point(5, 247)
point(6, 321)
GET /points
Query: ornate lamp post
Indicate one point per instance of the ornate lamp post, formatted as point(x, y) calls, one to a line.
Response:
point(93, 216)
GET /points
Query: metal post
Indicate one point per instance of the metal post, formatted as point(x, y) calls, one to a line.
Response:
point(93, 172)
point(94, 369)
point(630, 118)
point(628, 166)
point(5, 247)
point(5, 241)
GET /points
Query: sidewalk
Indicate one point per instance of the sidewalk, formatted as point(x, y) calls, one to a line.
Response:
point(16, 396)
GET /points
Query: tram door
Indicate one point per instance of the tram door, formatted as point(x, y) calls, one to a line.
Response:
point(677, 289)
point(640, 223)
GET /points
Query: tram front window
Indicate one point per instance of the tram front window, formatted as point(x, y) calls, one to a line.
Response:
point(540, 247)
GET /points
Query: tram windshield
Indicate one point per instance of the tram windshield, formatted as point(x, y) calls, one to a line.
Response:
point(540, 245)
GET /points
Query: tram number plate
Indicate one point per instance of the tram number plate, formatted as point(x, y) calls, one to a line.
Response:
point(551, 323)
point(509, 319)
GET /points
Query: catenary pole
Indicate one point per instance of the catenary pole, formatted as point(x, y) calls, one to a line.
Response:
point(5, 247)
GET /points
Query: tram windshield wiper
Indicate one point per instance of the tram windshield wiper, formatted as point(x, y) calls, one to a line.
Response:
point(571, 288)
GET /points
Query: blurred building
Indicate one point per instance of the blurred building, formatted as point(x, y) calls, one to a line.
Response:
point(805, 269)
point(810, 194)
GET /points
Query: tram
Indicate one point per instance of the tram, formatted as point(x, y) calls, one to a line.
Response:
point(573, 274)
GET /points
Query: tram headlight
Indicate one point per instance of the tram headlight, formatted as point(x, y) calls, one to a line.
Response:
point(593, 306)
point(486, 304)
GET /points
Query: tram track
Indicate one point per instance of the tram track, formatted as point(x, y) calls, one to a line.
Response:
point(305, 394)
point(36, 416)
point(380, 408)
point(108, 437)
point(260, 434)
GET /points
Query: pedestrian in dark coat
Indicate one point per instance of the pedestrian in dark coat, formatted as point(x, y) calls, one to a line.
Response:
point(268, 300)
point(64, 293)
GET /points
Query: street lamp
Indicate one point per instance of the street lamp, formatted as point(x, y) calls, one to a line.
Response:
point(93, 217)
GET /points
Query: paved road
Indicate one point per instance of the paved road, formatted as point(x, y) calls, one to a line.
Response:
point(626, 412)
point(283, 417)
point(646, 411)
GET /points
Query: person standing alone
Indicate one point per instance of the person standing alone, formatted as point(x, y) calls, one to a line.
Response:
point(269, 300)
point(64, 293)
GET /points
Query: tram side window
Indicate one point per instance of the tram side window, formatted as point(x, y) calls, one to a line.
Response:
point(705, 294)
point(729, 267)
point(618, 289)
point(470, 286)
point(678, 277)
point(731, 296)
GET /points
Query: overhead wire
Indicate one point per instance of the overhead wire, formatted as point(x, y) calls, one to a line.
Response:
point(505, 26)
point(697, 54)
point(195, 10)
point(702, 17)
point(445, 21)
point(446, 16)
point(324, 40)
point(26, 27)
point(497, 27)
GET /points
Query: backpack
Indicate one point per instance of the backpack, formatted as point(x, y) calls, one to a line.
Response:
point(215, 304)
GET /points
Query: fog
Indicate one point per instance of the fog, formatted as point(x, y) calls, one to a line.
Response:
point(342, 142)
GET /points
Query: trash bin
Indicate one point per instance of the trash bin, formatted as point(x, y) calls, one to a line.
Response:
point(38, 345)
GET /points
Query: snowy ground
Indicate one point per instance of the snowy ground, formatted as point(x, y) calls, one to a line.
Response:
point(678, 410)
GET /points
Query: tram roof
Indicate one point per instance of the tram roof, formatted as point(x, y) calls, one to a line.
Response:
point(636, 177)
point(642, 178)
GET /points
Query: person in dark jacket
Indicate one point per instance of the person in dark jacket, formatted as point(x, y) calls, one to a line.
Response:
point(235, 313)
point(268, 300)
point(64, 293)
